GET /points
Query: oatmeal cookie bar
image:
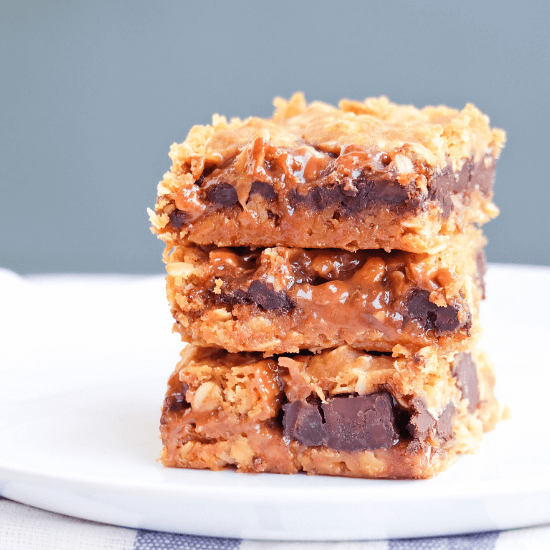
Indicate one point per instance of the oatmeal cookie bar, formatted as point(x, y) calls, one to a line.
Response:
point(341, 412)
point(365, 175)
point(280, 300)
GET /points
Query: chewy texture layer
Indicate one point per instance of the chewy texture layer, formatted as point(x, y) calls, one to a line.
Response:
point(281, 300)
point(362, 176)
point(341, 412)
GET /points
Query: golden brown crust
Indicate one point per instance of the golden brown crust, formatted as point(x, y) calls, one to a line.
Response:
point(436, 135)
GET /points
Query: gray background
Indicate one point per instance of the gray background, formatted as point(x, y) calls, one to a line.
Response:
point(94, 93)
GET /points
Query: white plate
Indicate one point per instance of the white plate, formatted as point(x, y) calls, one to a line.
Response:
point(85, 362)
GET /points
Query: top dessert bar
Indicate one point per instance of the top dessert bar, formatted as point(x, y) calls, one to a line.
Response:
point(366, 175)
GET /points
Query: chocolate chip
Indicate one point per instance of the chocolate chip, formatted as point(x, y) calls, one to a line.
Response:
point(465, 372)
point(345, 423)
point(303, 423)
point(264, 295)
point(322, 197)
point(430, 315)
point(174, 403)
point(443, 185)
point(354, 423)
point(444, 425)
point(393, 193)
point(264, 189)
point(259, 293)
point(233, 298)
point(222, 194)
point(365, 193)
point(423, 425)
point(360, 422)
point(177, 218)
point(421, 422)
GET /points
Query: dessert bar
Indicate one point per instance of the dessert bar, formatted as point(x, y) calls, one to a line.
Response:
point(365, 175)
point(279, 300)
point(340, 412)
point(326, 266)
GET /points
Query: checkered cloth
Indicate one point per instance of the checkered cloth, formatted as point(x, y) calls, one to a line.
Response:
point(26, 528)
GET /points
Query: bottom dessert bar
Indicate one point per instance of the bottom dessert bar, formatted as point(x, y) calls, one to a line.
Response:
point(340, 412)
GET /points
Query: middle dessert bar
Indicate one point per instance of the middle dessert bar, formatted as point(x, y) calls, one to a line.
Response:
point(281, 300)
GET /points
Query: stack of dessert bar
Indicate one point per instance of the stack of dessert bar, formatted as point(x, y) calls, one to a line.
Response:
point(326, 267)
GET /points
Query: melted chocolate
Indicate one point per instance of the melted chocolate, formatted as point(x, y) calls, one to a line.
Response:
point(264, 189)
point(263, 295)
point(431, 316)
point(345, 423)
point(259, 293)
point(303, 422)
point(222, 194)
point(472, 176)
point(360, 422)
point(355, 423)
point(368, 193)
point(177, 218)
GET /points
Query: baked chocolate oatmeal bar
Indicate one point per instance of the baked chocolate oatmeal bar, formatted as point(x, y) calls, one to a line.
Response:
point(341, 412)
point(281, 300)
point(366, 175)
point(327, 266)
